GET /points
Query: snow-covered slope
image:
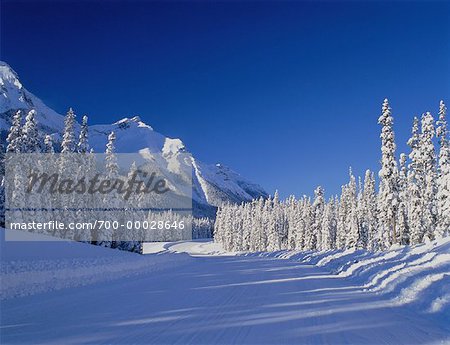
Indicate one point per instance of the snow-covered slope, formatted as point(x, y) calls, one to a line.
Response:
point(38, 265)
point(417, 276)
point(202, 247)
point(14, 96)
point(212, 184)
point(184, 293)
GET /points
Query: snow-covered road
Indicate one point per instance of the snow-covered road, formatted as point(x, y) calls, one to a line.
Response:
point(220, 300)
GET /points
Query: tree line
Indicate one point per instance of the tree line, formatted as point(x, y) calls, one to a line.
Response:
point(411, 204)
point(25, 137)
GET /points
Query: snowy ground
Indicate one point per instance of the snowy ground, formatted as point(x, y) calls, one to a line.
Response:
point(172, 297)
point(193, 248)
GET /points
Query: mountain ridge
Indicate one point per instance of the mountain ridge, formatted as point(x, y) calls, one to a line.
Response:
point(212, 184)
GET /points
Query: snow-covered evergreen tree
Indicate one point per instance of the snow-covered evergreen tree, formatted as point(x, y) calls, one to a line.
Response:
point(68, 142)
point(428, 157)
point(228, 227)
point(246, 225)
point(218, 226)
point(388, 190)
point(343, 212)
point(2, 159)
point(370, 210)
point(30, 139)
point(299, 230)
point(404, 211)
point(443, 183)
point(112, 168)
point(237, 229)
point(283, 229)
point(18, 200)
point(112, 199)
point(2, 201)
point(296, 223)
point(352, 235)
point(48, 145)
point(416, 185)
point(14, 138)
point(272, 213)
point(67, 167)
point(257, 227)
point(318, 211)
point(30, 144)
point(402, 215)
point(328, 237)
point(308, 225)
point(83, 144)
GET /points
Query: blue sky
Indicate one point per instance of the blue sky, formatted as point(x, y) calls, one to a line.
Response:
point(286, 93)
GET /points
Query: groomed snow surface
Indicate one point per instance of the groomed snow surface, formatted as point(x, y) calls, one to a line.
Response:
point(194, 293)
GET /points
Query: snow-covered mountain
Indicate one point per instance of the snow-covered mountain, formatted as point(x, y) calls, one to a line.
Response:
point(212, 184)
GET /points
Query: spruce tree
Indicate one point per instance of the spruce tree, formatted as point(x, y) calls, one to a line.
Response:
point(328, 226)
point(14, 138)
point(2, 201)
point(112, 168)
point(68, 142)
point(48, 145)
point(247, 225)
point(111, 199)
point(2, 159)
point(303, 223)
point(318, 211)
point(83, 145)
point(342, 218)
point(443, 192)
point(370, 210)
point(402, 215)
point(428, 156)
point(67, 167)
point(273, 238)
point(388, 193)
point(352, 234)
point(30, 140)
point(416, 185)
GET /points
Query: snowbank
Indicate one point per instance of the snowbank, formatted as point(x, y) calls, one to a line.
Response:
point(33, 267)
point(193, 248)
point(417, 276)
